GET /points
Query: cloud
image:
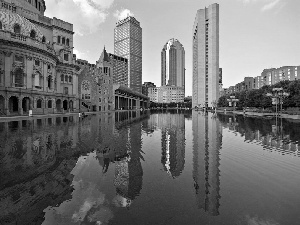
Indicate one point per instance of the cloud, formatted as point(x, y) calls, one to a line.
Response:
point(270, 5)
point(267, 4)
point(257, 221)
point(79, 54)
point(85, 15)
point(122, 14)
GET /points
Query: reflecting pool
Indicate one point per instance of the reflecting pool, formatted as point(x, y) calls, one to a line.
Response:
point(131, 167)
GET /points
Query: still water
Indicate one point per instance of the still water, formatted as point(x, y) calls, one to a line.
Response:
point(150, 168)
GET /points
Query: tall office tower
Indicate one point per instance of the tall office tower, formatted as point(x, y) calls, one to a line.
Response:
point(128, 44)
point(206, 57)
point(207, 142)
point(173, 64)
point(120, 69)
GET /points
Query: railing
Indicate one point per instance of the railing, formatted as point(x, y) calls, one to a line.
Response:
point(18, 36)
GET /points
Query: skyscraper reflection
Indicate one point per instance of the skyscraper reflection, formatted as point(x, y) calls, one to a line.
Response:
point(122, 145)
point(207, 142)
point(172, 141)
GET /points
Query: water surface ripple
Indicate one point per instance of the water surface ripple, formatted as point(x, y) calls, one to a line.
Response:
point(171, 167)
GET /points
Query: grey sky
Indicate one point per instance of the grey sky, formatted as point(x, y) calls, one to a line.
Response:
point(254, 34)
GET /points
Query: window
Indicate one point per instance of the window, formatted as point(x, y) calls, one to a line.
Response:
point(17, 29)
point(50, 104)
point(43, 39)
point(66, 57)
point(70, 79)
point(39, 103)
point(36, 4)
point(32, 34)
point(58, 39)
point(66, 90)
point(68, 42)
point(39, 6)
point(0, 25)
point(63, 40)
point(37, 62)
point(19, 78)
point(62, 78)
point(66, 78)
point(49, 81)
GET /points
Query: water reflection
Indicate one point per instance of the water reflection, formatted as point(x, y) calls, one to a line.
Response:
point(172, 128)
point(207, 142)
point(274, 134)
point(39, 159)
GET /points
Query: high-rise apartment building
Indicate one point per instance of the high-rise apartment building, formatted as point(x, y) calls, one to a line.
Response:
point(128, 44)
point(173, 64)
point(206, 57)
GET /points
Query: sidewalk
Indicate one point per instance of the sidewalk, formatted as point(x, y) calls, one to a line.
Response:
point(255, 114)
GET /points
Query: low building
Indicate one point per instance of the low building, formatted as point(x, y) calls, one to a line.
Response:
point(145, 87)
point(166, 94)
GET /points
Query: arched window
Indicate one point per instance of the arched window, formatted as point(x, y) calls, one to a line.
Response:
point(43, 39)
point(17, 29)
point(63, 41)
point(39, 103)
point(32, 34)
point(68, 42)
point(50, 104)
point(70, 79)
point(62, 77)
point(0, 25)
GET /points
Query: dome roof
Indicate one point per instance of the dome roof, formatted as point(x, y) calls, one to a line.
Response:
point(9, 19)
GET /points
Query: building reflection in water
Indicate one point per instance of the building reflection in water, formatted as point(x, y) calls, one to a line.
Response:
point(274, 134)
point(172, 127)
point(122, 145)
point(39, 155)
point(207, 142)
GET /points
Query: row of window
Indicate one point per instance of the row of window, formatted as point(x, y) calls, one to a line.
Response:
point(17, 30)
point(63, 40)
point(36, 3)
point(66, 78)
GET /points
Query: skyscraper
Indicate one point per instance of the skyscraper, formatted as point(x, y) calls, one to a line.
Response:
point(128, 44)
point(206, 57)
point(173, 64)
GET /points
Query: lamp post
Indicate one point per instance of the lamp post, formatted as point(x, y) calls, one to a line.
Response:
point(232, 101)
point(277, 98)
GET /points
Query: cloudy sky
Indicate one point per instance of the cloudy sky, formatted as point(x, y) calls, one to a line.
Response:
point(254, 34)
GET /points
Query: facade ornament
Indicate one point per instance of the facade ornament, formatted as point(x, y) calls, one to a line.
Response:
point(29, 58)
point(7, 53)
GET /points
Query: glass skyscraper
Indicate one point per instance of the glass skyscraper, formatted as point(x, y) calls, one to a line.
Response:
point(128, 44)
point(173, 64)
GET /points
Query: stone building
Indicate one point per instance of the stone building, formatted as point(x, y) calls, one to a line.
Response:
point(37, 70)
point(96, 84)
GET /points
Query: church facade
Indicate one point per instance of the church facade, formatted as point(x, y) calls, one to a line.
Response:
point(37, 68)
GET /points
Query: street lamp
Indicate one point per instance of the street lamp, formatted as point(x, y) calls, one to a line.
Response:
point(277, 97)
point(232, 101)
